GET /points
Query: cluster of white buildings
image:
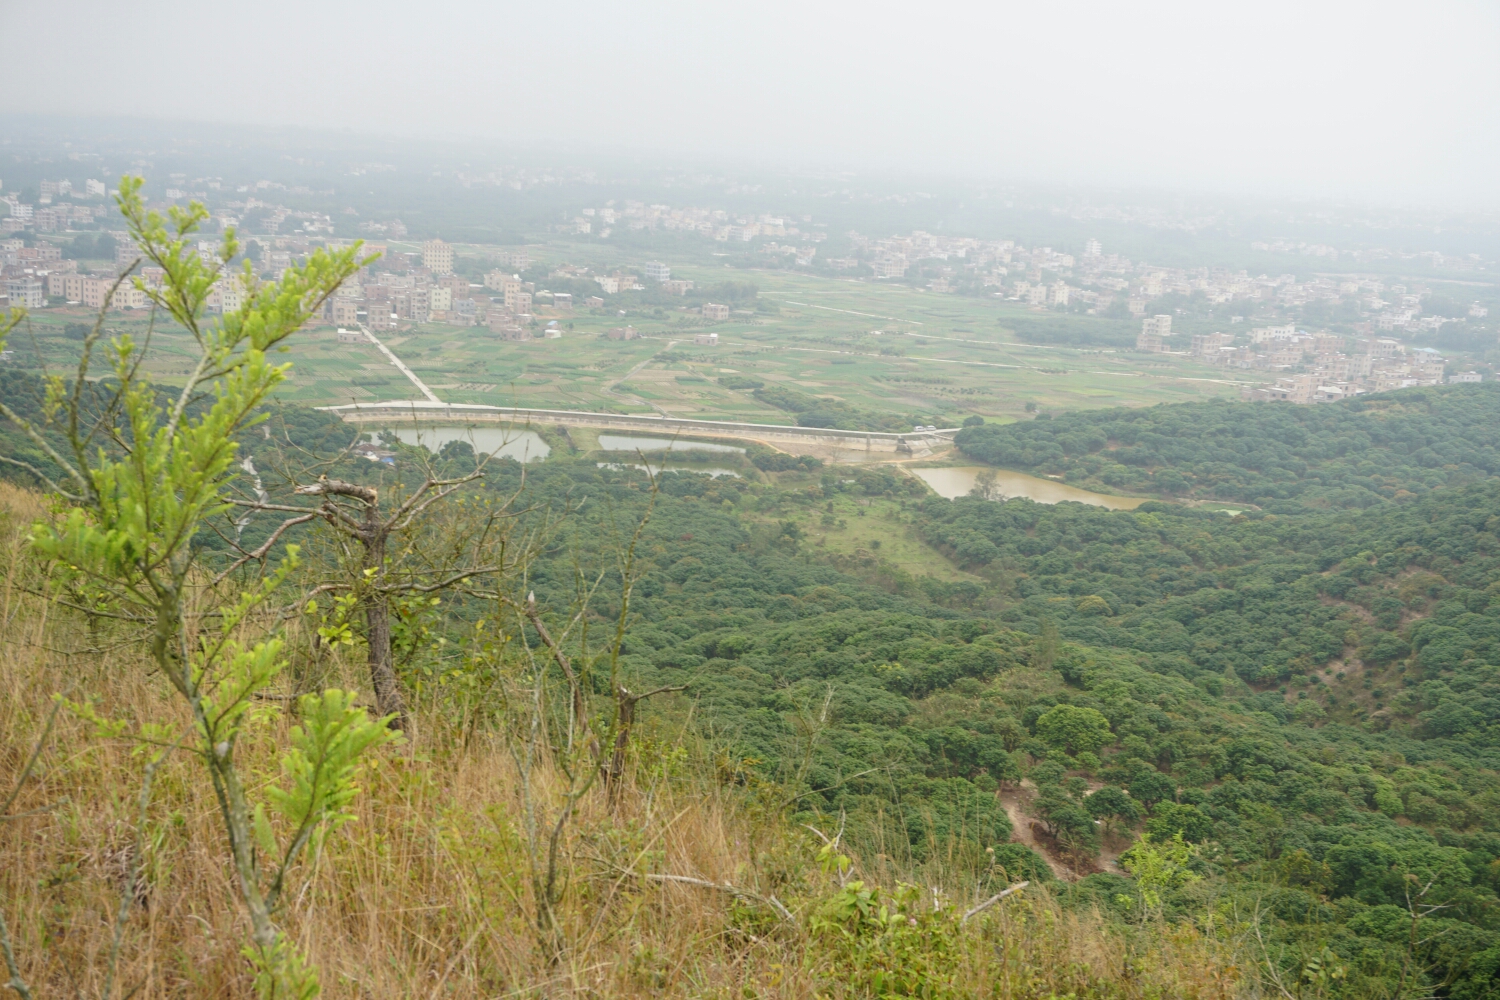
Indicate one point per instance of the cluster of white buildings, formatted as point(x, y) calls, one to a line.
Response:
point(1312, 367)
point(1042, 276)
point(714, 223)
point(59, 207)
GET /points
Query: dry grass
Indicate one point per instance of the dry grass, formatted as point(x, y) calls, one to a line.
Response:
point(430, 892)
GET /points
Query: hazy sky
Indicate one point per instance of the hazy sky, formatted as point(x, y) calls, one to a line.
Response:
point(1368, 99)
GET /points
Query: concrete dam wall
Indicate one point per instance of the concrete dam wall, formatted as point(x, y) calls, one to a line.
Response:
point(876, 444)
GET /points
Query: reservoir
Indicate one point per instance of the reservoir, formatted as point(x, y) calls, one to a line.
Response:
point(505, 442)
point(957, 482)
point(621, 442)
point(701, 470)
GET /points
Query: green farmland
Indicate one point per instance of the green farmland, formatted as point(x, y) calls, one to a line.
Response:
point(876, 348)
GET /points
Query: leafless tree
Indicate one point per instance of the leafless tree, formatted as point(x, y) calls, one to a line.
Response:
point(393, 548)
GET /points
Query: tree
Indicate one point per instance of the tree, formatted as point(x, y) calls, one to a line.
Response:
point(1151, 787)
point(985, 487)
point(1158, 867)
point(142, 479)
point(1114, 807)
point(438, 562)
point(1073, 729)
point(1044, 653)
point(1059, 810)
point(1185, 821)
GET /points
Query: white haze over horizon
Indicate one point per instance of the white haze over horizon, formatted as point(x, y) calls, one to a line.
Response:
point(1374, 101)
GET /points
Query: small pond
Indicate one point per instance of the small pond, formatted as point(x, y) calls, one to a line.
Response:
point(623, 442)
point(702, 470)
point(957, 482)
point(504, 442)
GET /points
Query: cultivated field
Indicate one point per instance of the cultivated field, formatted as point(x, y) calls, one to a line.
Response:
point(936, 358)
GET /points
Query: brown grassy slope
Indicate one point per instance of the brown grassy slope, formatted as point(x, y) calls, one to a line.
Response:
point(430, 892)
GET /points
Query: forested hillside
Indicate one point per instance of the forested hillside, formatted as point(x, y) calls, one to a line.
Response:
point(1293, 712)
point(1312, 700)
point(1354, 453)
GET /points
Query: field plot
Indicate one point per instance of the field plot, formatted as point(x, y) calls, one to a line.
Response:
point(915, 356)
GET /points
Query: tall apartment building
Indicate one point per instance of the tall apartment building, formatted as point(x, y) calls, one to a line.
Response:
point(1057, 295)
point(412, 304)
point(513, 289)
point(657, 271)
point(437, 257)
point(379, 316)
point(26, 291)
point(1208, 344)
point(1154, 331)
point(1265, 334)
point(345, 312)
point(93, 291)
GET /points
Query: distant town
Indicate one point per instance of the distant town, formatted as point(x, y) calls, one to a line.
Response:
point(57, 253)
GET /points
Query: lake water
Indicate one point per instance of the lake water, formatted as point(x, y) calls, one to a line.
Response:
point(702, 470)
point(622, 442)
point(504, 442)
point(957, 482)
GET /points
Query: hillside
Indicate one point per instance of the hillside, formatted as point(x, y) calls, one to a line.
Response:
point(1354, 453)
point(1309, 698)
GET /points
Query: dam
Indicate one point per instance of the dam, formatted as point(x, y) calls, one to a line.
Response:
point(841, 445)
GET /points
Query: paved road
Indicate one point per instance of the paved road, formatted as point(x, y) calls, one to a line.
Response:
point(421, 386)
point(614, 386)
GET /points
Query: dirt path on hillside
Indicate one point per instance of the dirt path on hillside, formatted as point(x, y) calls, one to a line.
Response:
point(1026, 830)
point(1015, 801)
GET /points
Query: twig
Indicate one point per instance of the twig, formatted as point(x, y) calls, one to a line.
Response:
point(261, 552)
point(133, 870)
point(736, 891)
point(1266, 955)
point(992, 901)
point(36, 753)
point(580, 703)
point(51, 485)
point(16, 982)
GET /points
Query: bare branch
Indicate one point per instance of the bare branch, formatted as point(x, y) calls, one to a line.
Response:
point(41, 442)
point(42, 476)
point(664, 689)
point(80, 607)
point(416, 511)
point(736, 891)
point(36, 753)
point(16, 982)
point(260, 553)
point(457, 577)
point(431, 483)
point(992, 901)
point(337, 487)
point(580, 703)
point(257, 505)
